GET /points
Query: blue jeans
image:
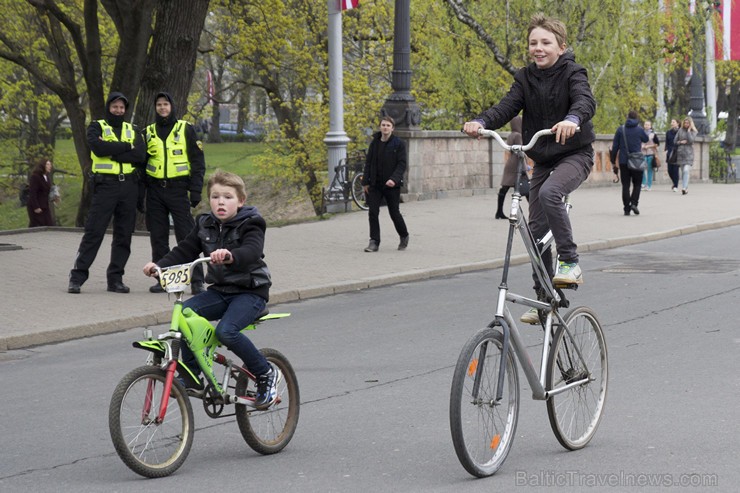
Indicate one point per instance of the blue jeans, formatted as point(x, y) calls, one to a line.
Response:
point(236, 311)
point(685, 174)
point(647, 176)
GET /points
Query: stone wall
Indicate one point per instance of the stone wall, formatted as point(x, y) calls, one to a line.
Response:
point(448, 163)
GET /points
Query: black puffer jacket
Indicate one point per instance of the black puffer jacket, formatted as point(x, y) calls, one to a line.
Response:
point(547, 96)
point(243, 236)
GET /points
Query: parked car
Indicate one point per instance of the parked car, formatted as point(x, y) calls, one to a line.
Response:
point(231, 129)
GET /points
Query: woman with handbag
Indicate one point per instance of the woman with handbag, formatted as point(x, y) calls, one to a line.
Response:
point(650, 150)
point(670, 155)
point(628, 140)
point(684, 141)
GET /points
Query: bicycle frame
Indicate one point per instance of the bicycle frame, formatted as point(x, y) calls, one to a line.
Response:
point(511, 336)
point(200, 337)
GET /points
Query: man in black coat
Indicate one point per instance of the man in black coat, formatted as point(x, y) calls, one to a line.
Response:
point(383, 176)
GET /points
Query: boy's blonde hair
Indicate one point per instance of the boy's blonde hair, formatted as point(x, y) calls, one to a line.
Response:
point(549, 24)
point(226, 179)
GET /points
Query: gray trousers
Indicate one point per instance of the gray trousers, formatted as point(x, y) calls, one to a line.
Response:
point(548, 186)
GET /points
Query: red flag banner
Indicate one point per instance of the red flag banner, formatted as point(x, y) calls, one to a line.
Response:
point(349, 4)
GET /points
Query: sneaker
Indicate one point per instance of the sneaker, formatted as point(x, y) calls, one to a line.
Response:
point(157, 288)
point(674, 189)
point(267, 388)
point(568, 274)
point(531, 317)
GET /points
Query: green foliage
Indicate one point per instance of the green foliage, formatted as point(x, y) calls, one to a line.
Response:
point(717, 163)
point(237, 158)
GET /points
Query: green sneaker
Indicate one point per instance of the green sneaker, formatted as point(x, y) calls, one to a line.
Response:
point(567, 274)
point(530, 317)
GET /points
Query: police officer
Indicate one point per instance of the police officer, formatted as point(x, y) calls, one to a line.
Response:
point(175, 168)
point(117, 151)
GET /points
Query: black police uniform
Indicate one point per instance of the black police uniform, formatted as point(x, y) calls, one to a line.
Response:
point(167, 196)
point(114, 196)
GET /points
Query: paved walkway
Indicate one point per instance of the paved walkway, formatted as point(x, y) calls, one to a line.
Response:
point(319, 258)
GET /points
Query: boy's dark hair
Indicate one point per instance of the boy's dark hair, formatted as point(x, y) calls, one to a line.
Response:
point(632, 114)
point(390, 119)
point(226, 179)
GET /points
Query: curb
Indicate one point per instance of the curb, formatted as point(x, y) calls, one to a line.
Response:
point(22, 341)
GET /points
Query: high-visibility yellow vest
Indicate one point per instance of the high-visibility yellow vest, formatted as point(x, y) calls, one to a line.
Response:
point(168, 158)
point(104, 164)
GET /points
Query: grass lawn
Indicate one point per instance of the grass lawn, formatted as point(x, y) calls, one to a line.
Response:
point(237, 157)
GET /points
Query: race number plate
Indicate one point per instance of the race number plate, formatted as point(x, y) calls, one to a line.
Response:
point(176, 278)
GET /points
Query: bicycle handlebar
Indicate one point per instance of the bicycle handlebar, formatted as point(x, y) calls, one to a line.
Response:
point(524, 148)
point(201, 260)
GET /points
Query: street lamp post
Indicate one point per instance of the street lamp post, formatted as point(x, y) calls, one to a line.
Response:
point(401, 105)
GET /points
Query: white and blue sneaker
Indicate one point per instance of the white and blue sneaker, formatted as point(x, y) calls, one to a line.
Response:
point(568, 273)
point(267, 385)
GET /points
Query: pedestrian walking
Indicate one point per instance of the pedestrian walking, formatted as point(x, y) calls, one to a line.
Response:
point(670, 159)
point(684, 142)
point(628, 139)
point(385, 165)
point(39, 186)
point(509, 176)
point(174, 173)
point(118, 152)
point(650, 150)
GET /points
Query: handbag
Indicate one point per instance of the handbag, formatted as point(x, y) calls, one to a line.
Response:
point(656, 161)
point(635, 160)
point(673, 157)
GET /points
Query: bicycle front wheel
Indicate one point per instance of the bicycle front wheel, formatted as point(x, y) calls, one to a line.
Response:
point(578, 351)
point(358, 193)
point(483, 428)
point(268, 431)
point(147, 446)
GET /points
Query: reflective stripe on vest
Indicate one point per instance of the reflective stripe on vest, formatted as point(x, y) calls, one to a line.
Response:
point(168, 158)
point(104, 164)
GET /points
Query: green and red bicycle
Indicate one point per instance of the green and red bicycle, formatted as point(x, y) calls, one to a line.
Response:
point(151, 416)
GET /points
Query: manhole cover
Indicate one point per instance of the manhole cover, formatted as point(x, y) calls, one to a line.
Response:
point(647, 263)
point(9, 246)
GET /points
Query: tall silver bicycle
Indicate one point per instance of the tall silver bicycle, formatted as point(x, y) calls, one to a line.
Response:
point(572, 377)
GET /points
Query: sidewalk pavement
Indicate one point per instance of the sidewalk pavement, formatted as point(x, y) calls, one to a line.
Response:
point(448, 236)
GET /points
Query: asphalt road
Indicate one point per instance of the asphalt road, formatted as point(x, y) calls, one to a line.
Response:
point(375, 369)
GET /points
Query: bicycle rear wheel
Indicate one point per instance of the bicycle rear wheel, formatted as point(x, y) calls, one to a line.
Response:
point(358, 193)
point(268, 431)
point(146, 446)
point(578, 351)
point(483, 430)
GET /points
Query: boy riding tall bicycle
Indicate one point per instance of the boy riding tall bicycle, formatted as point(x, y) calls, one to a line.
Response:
point(233, 236)
point(553, 92)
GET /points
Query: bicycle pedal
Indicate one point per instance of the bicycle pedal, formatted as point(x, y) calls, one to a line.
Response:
point(573, 286)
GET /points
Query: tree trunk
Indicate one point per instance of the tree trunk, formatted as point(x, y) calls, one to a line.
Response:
point(170, 64)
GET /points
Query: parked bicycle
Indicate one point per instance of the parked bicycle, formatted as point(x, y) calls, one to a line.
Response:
point(346, 185)
point(151, 416)
point(572, 378)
